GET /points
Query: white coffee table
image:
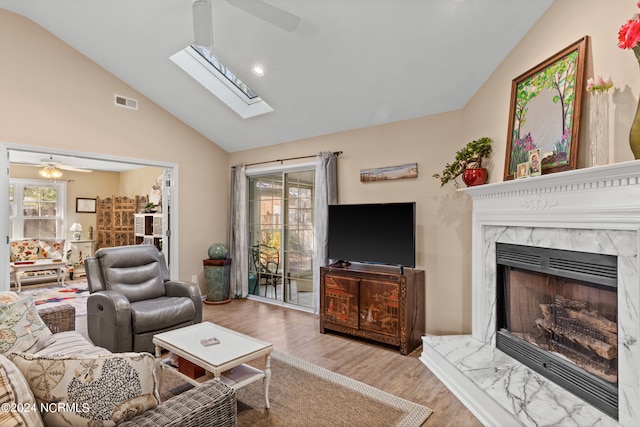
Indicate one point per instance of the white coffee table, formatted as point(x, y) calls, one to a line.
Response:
point(18, 268)
point(226, 361)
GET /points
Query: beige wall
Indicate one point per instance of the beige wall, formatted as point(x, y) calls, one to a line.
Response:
point(138, 182)
point(52, 96)
point(78, 185)
point(442, 224)
point(92, 185)
point(565, 22)
point(69, 105)
point(444, 214)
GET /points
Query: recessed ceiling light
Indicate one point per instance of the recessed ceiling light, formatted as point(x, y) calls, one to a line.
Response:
point(258, 70)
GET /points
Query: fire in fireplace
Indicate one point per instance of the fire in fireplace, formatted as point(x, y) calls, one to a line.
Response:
point(557, 314)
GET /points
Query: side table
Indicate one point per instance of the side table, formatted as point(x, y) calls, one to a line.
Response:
point(217, 273)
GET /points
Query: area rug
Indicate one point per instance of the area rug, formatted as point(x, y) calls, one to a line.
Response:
point(74, 293)
point(304, 394)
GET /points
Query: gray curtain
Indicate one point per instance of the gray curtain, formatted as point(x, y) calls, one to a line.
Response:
point(238, 243)
point(326, 194)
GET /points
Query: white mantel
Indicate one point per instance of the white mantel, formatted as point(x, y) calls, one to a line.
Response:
point(590, 210)
point(581, 198)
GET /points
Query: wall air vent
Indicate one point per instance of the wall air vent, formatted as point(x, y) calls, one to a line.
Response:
point(123, 101)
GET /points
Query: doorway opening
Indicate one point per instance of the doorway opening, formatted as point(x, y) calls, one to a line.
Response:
point(11, 151)
point(281, 221)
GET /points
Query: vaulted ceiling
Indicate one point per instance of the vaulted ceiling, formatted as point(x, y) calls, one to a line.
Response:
point(349, 64)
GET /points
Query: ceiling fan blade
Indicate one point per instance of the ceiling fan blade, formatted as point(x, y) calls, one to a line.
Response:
point(50, 162)
point(57, 166)
point(273, 15)
point(74, 169)
point(202, 23)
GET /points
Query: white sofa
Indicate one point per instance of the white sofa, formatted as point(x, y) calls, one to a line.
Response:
point(26, 257)
point(52, 375)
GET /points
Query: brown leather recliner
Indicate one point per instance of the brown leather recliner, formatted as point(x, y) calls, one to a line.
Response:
point(131, 298)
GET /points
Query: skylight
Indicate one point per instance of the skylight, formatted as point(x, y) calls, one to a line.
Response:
point(205, 68)
point(235, 80)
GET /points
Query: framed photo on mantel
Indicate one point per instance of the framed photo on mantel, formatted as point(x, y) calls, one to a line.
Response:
point(545, 112)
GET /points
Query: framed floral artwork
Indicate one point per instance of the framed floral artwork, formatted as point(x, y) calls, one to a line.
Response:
point(545, 112)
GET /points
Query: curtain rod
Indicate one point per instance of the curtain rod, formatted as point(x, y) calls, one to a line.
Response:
point(337, 153)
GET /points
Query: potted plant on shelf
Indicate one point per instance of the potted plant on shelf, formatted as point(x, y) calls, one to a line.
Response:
point(468, 163)
point(150, 208)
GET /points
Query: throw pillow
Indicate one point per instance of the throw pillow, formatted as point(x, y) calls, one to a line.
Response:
point(18, 404)
point(52, 249)
point(8, 296)
point(24, 250)
point(93, 390)
point(21, 328)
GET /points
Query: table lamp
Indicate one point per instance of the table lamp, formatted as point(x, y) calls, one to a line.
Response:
point(77, 229)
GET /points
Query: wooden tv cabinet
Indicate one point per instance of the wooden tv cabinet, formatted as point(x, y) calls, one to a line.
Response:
point(376, 303)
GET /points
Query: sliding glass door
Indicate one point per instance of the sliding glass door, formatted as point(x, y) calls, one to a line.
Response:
point(298, 226)
point(281, 237)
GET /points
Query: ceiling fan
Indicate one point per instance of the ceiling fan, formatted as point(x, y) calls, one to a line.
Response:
point(203, 25)
point(50, 164)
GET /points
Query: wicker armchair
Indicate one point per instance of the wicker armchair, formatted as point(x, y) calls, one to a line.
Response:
point(211, 403)
point(59, 318)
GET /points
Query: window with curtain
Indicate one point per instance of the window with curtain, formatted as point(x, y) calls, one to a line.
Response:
point(36, 209)
point(281, 206)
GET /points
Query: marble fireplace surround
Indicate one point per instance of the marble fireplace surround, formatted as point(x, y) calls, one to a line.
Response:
point(589, 210)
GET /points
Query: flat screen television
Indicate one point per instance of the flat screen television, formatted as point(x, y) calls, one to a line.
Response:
point(380, 233)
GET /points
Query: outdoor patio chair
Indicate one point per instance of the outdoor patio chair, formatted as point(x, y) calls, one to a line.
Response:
point(266, 261)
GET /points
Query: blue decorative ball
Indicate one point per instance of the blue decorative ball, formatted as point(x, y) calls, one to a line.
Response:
point(218, 251)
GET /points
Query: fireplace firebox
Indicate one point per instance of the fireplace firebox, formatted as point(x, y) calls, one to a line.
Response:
point(557, 314)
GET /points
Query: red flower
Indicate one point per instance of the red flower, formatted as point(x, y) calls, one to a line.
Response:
point(629, 34)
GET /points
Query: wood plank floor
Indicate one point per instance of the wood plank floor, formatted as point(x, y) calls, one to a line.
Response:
point(298, 334)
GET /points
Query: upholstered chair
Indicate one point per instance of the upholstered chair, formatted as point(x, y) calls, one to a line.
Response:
point(131, 298)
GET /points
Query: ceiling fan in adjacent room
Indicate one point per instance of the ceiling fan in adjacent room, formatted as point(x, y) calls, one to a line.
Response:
point(52, 169)
point(203, 25)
